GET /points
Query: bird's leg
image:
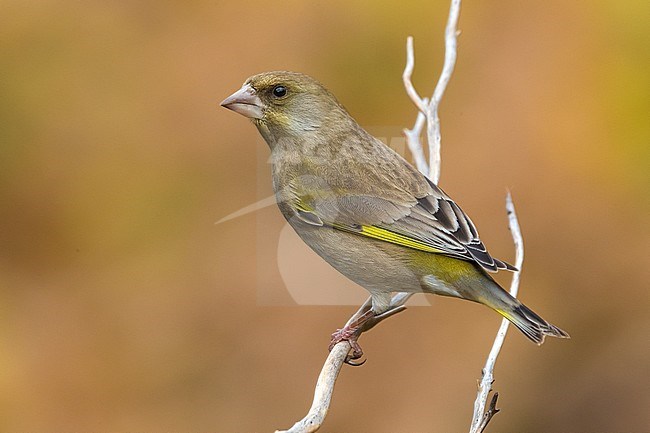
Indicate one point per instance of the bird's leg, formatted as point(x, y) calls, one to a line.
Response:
point(350, 333)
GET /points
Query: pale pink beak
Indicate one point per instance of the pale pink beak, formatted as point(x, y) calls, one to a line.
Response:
point(245, 102)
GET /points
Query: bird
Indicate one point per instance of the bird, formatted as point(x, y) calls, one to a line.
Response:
point(366, 210)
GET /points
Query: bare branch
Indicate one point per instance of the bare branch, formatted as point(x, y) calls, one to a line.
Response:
point(413, 135)
point(328, 375)
point(479, 415)
point(430, 109)
point(406, 77)
point(433, 121)
point(323, 393)
point(414, 144)
point(487, 416)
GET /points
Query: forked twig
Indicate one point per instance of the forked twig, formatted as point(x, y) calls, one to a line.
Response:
point(428, 108)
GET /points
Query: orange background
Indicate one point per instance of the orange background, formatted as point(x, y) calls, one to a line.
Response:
point(125, 308)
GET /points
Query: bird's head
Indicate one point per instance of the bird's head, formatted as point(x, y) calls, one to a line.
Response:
point(286, 104)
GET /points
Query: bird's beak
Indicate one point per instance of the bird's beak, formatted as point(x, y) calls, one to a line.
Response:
point(245, 102)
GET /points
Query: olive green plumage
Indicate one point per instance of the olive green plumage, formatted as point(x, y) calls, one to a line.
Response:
point(366, 210)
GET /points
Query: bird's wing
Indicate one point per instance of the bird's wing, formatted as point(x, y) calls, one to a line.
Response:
point(438, 221)
point(432, 222)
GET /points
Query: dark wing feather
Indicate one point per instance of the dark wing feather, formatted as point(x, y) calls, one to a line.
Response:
point(438, 220)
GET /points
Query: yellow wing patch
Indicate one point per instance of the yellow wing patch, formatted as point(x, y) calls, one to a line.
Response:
point(381, 234)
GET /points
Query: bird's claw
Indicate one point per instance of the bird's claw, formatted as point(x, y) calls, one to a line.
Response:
point(348, 360)
point(357, 353)
point(349, 334)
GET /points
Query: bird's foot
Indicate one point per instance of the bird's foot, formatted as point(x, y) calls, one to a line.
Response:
point(351, 335)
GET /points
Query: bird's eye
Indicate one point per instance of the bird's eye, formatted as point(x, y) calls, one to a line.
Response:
point(279, 91)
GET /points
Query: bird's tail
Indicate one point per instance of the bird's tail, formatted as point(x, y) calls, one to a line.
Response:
point(528, 322)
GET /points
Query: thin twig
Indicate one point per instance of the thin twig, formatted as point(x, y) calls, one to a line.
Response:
point(433, 121)
point(488, 370)
point(406, 77)
point(487, 416)
point(413, 135)
point(414, 144)
point(429, 109)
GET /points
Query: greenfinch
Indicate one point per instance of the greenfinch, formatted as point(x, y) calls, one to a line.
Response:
point(365, 210)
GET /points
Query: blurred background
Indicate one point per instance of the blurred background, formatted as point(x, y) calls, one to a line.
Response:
point(125, 308)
